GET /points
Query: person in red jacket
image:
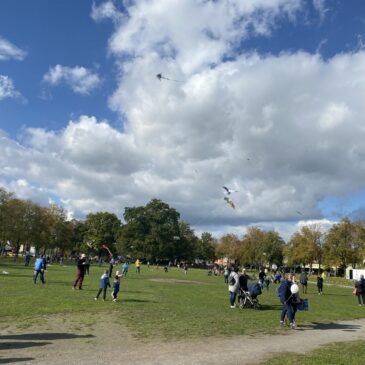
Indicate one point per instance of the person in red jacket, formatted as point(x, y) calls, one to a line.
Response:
point(81, 268)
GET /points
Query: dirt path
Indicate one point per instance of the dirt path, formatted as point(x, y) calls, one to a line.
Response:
point(112, 344)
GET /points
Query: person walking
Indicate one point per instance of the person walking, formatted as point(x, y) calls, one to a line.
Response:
point(125, 268)
point(320, 284)
point(39, 268)
point(360, 290)
point(104, 284)
point(288, 301)
point(303, 281)
point(81, 267)
point(138, 266)
point(233, 286)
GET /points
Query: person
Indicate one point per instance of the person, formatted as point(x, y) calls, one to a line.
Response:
point(39, 269)
point(138, 266)
point(125, 269)
point(104, 284)
point(360, 290)
point(243, 279)
point(288, 301)
point(81, 265)
point(320, 284)
point(27, 258)
point(262, 276)
point(116, 286)
point(233, 286)
point(111, 265)
point(185, 269)
point(303, 281)
point(226, 273)
point(87, 266)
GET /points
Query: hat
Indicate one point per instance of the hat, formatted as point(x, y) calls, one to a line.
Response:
point(83, 255)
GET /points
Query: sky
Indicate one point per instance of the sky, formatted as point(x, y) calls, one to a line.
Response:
point(265, 97)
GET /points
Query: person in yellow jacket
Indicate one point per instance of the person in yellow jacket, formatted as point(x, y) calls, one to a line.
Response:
point(138, 266)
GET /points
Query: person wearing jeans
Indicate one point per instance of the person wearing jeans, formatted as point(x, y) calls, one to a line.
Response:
point(104, 284)
point(39, 269)
point(233, 286)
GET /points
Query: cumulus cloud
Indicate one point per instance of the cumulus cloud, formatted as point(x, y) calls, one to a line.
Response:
point(10, 51)
point(271, 127)
point(7, 88)
point(80, 79)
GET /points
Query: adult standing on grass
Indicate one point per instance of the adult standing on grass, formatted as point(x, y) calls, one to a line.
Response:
point(233, 286)
point(287, 299)
point(81, 268)
point(138, 266)
point(39, 268)
point(303, 281)
point(360, 290)
point(243, 279)
point(320, 284)
point(125, 269)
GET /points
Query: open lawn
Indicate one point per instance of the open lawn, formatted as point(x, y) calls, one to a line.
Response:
point(155, 303)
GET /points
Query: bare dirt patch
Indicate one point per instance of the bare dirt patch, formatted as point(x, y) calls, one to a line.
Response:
point(102, 341)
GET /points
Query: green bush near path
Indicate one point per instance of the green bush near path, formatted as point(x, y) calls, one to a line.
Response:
point(344, 353)
point(158, 304)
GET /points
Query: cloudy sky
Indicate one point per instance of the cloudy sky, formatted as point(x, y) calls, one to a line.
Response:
point(265, 97)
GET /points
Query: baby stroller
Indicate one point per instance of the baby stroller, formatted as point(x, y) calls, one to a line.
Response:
point(248, 299)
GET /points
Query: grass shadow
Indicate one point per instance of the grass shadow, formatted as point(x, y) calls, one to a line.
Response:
point(44, 336)
point(139, 301)
point(21, 345)
point(15, 359)
point(331, 326)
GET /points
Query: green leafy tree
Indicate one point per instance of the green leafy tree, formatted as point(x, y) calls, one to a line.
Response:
point(205, 247)
point(344, 244)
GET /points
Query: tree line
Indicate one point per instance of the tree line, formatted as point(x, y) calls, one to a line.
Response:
point(157, 232)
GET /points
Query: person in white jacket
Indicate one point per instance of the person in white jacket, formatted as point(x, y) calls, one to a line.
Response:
point(233, 286)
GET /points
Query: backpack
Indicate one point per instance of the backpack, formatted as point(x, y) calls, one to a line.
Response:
point(281, 291)
point(232, 280)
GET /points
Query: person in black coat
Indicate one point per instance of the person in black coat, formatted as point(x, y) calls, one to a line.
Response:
point(360, 290)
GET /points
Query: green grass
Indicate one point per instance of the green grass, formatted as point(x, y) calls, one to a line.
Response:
point(346, 353)
point(151, 308)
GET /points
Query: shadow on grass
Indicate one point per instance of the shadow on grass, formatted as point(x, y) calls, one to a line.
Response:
point(21, 345)
point(271, 307)
point(139, 301)
point(15, 359)
point(44, 336)
point(330, 326)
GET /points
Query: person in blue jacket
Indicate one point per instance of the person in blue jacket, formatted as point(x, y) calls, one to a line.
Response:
point(104, 284)
point(288, 300)
point(39, 268)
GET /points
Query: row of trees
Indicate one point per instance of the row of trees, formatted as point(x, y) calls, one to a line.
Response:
point(156, 231)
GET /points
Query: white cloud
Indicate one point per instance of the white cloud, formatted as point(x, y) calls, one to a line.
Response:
point(320, 6)
point(10, 51)
point(7, 88)
point(80, 79)
point(333, 115)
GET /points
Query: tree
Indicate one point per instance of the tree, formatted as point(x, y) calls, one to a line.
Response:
point(229, 247)
point(304, 247)
point(101, 228)
point(152, 232)
point(205, 247)
point(344, 244)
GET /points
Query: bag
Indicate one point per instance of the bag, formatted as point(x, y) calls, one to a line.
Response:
point(281, 291)
point(231, 281)
point(354, 291)
point(303, 305)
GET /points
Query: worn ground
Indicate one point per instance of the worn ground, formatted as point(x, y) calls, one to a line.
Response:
point(103, 341)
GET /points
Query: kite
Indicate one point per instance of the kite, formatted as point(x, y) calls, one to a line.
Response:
point(106, 247)
point(230, 202)
point(300, 213)
point(161, 77)
point(228, 191)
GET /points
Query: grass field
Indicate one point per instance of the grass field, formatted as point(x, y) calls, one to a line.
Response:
point(156, 303)
point(351, 353)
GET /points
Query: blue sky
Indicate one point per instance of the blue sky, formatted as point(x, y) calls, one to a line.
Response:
point(268, 101)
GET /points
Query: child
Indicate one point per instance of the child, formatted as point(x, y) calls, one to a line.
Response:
point(104, 284)
point(320, 284)
point(116, 286)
